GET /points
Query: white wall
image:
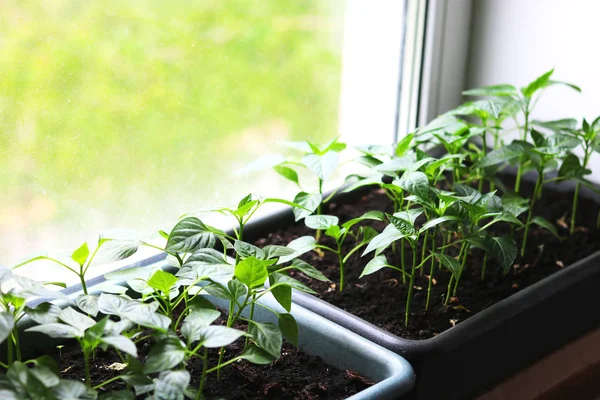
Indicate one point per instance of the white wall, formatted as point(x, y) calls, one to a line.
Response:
point(513, 41)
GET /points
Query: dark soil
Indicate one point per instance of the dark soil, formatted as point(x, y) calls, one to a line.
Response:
point(295, 375)
point(380, 298)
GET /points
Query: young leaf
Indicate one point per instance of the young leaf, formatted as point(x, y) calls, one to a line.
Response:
point(287, 173)
point(197, 320)
point(188, 235)
point(87, 303)
point(275, 251)
point(76, 319)
point(322, 165)
point(171, 385)
point(7, 323)
point(514, 204)
point(214, 336)
point(493, 91)
point(309, 270)
point(55, 330)
point(246, 250)
point(374, 265)
point(544, 223)
point(449, 262)
point(502, 154)
point(267, 336)
point(300, 246)
point(44, 313)
point(252, 272)
point(236, 288)
point(436, 221)
point(73, 390)
point(404, 225)
point(116, 245)
point(504, 250)
point(163, 281)
point(284, 280)
point(404, 145)
point(369, 215)
point(122, 344)
point(415, 183)
point(310, 202)
point(320, 221)
point(380, 242)
point(539, 83)
point(289, 328)
point(81, 254)
point(165, 355)
point(283, 295)
point(256, 355)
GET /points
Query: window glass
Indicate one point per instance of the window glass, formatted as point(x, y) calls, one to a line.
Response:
point(117, 114)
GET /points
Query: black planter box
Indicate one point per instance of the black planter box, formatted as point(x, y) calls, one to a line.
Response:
point(483, 350)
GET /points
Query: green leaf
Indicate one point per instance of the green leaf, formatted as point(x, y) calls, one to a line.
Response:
point(48, 376)
point(574, 87)
point(539, 83)
point(262, 163)
point(415, 183)
point(436, 221)
point(571, 167)
point(163, 281)
point(122, 344)
point(321, 221)
point(236, 288)
point(374, 265)
point(483, 243)
point(73, 390)
point(404, 144)
point(243, 210)
point(334, 231)
point(302, 146)
point(7, 323)
point(380, 242)
point(267, 336)
point(283, 295)
point(450, 263)
point(287, 173)
point(214, 336)
point(493, 91)
point(289, 328)
point(87, 303)
point(545, 224)
point(504, 250)
point(309, 270)
point(76, 319)
point(252, 272)
point(56, 330)
point(275, 251)
point(514, 204)
point(323, 165)
point(81, 254)
point(310, 202)
point(256, 355)
point(43, 313)
point(403, 224)
point(206, 256)
point(171, 385)
point(5, 274)
point(188, 235)
point(501, 155)
point(115, 245)
point(369, 215)
point(165, 355)
point(300, 246)
point(538, 139)
point(246, 250)
point(282, 279)
point(558, 125)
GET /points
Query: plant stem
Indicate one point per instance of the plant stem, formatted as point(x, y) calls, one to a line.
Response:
point(484, 150)
point(485, 258)
point(538, 184)
point(204, 373)
point(86, 359)
point(82, 280)
point(15, 334)
point(431, 269)
point(411, 284)
point(106, 382)
point(403, 261)
point(423, 252)
point(462, 267)
point(341, 261)
point(9, 351)
point(520, 170)
point(574, 209)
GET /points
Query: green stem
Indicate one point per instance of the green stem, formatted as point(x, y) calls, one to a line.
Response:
point(484, 150)
point(341, 261)
point(411, 284)
point(520, 170)
point(431, 269)
point(204, 373)
point(86, 359)
point(485, 258)
point(538, 184)
point(423, 252)
point(448, 290)
point(574, 209)
point(403, 261)
point(9, 351)
point(106, 382)
point(462, 267)
point(82, 280)
point(15, 334)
